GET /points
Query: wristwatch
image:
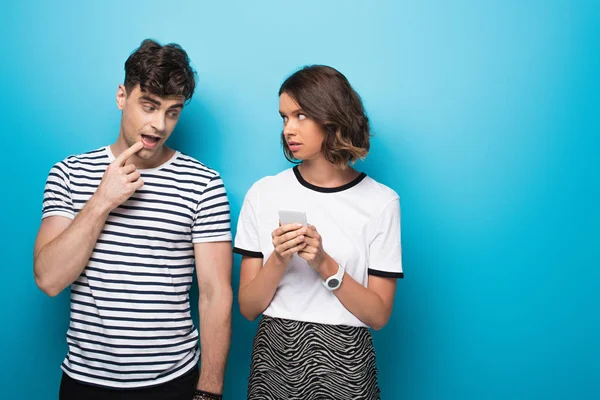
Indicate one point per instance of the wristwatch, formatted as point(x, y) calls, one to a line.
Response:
point(335, 281)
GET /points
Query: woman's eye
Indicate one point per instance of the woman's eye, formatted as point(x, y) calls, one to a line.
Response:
point(301, 116)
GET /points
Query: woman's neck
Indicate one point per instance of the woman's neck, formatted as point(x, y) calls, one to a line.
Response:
point(322, 173)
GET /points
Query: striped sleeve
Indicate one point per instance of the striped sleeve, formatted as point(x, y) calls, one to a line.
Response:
point(57, 193)
point(385, 253)
point(212, 221)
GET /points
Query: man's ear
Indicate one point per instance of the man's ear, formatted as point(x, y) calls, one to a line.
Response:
point(121, 97)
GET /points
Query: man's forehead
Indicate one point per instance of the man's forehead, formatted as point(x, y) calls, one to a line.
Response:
point(163, 100)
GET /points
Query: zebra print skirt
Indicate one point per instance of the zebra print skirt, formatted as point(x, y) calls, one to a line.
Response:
point(310, 361)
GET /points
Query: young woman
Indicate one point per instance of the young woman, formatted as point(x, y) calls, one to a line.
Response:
point(320, 287)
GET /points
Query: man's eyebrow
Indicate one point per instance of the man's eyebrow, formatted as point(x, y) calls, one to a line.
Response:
point(150, 99)
point(178, 105)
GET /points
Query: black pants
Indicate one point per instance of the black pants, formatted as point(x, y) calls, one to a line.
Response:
point(181, 388)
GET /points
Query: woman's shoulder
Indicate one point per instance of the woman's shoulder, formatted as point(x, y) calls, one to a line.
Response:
point(377, 191)
point(270, 182)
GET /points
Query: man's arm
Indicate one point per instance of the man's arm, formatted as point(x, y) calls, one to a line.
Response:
point(63, 247)
point(213, 270)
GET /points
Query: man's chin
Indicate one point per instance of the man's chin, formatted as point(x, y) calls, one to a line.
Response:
point(147, 154)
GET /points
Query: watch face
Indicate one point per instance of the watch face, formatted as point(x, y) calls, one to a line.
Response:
point(333, 283)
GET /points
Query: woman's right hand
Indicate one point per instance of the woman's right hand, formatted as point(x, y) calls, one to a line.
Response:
point(287, 240)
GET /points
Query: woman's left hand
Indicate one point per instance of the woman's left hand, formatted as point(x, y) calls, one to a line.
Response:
point(313, 252)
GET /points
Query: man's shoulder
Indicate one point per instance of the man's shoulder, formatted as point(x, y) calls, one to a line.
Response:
point(97, 156)
point(90, 159)
point(185, 164)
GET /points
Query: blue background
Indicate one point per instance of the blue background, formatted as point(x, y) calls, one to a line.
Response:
point(486, 122)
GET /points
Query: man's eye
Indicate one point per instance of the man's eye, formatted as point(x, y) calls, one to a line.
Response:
point(148, 108)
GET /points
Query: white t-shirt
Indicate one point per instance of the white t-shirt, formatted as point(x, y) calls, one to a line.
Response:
point(360, 226)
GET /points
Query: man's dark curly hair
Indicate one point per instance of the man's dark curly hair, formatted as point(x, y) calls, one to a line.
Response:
point(164, 71)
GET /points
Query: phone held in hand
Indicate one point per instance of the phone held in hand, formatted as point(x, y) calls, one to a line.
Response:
point(292, 217)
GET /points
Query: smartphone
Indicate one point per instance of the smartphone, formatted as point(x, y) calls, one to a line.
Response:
point(292, 217)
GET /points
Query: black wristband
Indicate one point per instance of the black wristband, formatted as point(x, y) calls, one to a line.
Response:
point(202, 395)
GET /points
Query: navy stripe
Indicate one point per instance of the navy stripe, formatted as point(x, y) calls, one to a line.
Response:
point(126, 282)
point(103, 317)
point(113, 371)
point(226, 212)
point(78, 192)
point(214, 188)
point(135, 273)
point(135, 355)
point(64, 208)
point(215, 222)
point(85, 161)
point(216, 197)
point(89, 178)
point(162, 202)
point(60, 167)
point(149, 228)
point(156, 210)
point(132, 264)
point(131, 328)
point(59, 184)
point(132, 346)
point(197, 175)
point(137, 337)
point(91, 171)
point(132, 291)
point(78, 372)
point(195, 166)
point(176, 188)
point(143, 237)
point(123, 364)
point(129, 300)
point(178, 368)
point(142, 218)
point(196, 232)
point(188, 249)
point(101, 150)
point(60, 194)
point(177, 196)
point(173, 179)
point(129, 310)
point(204, 208)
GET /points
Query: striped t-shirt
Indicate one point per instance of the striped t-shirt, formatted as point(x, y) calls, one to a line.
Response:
point(131, 322)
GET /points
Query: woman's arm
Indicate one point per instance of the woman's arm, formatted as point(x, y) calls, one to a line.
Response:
point(372, 304)
point(258, 283)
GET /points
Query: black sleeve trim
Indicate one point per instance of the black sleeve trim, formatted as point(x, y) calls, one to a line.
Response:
point(253, 254)
point(385, 274)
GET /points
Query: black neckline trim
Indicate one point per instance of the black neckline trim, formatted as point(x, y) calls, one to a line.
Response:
point(316, 188)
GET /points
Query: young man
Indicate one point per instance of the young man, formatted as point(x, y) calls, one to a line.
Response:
point(123, 226)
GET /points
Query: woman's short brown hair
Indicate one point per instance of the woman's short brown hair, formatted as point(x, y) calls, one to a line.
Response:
point(326, 96)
